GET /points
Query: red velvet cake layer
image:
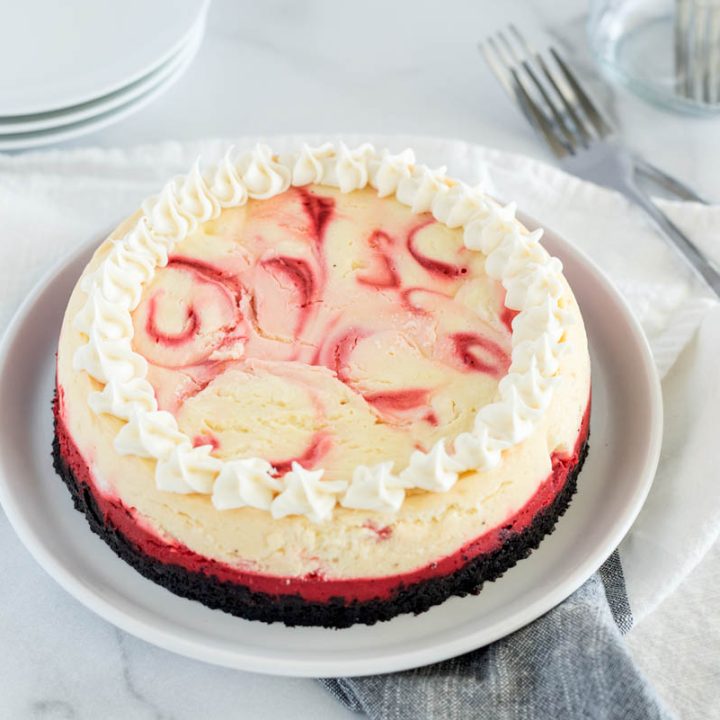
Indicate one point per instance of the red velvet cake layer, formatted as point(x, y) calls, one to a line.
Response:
point(312, 587)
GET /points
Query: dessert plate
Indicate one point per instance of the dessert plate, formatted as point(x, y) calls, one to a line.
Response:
point(67, 53)
point(115, 112)
point(59, 118)
point(626, 429)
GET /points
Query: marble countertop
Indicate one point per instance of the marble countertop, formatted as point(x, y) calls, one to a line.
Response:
point(277, 67)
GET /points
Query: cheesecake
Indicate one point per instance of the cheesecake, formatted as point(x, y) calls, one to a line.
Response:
point(321, 388)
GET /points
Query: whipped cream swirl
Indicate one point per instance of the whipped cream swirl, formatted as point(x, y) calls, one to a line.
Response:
point(531, 278)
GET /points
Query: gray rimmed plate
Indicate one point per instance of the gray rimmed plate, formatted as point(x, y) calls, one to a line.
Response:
point(626, 430)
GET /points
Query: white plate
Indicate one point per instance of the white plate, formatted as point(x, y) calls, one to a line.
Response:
point(57, 54)
point(60, 118)
point(23, 141)
point(624, 447)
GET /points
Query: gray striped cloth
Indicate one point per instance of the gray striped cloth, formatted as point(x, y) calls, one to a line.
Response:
point(570, 663)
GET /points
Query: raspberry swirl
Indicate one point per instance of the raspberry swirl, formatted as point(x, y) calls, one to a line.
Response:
point(308, 336)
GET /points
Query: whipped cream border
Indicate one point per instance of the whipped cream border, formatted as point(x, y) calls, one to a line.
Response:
point(531, 277)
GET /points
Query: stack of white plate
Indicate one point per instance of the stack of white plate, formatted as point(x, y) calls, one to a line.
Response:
point(69, 68)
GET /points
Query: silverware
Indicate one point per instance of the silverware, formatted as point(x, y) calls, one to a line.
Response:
point(554, 102)
point(697, 50)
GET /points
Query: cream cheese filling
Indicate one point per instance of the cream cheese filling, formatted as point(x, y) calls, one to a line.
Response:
point(532, 280)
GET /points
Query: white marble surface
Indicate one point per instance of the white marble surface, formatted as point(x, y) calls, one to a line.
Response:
point(284, 66)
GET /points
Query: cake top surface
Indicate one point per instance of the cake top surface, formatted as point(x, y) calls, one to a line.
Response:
point(335, 327)
point(325, 328)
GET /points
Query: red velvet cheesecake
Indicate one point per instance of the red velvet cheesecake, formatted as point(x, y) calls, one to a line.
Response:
point(321, 389)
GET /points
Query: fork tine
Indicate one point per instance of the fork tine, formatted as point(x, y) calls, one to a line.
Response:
point(601, 126)
point(521, 60)
point(582, 130)
point(708, 41)
point(682, 30)
point(563, 95)
point(714, 54)
point(500, 72)
point(702, 53)
point(503, 69)
point(558, 147)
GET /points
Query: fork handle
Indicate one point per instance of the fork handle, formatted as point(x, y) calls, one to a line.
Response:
point(702, 265)
point(671, 184)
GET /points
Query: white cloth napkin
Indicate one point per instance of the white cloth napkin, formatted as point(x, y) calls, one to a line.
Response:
point(52, 201)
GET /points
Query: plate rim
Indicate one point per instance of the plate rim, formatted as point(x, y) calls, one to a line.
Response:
point(201, 13)
point(397, 660)
point(115, 100)
point(62, 133)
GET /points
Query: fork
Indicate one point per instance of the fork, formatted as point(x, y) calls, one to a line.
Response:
point(581, 138)
point(697, 50)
